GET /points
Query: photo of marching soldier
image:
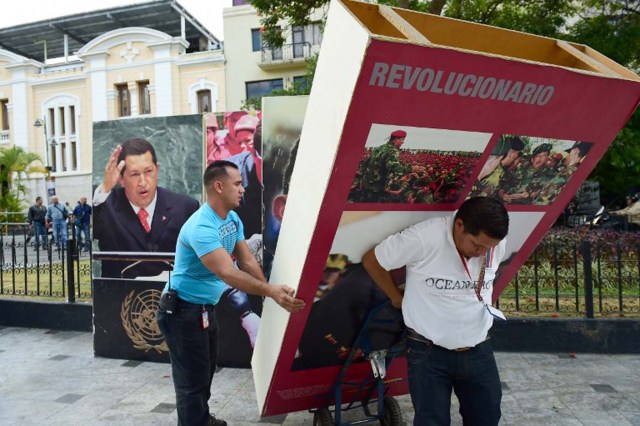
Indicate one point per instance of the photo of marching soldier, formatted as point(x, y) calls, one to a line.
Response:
point(529, 170)
point(416, 165)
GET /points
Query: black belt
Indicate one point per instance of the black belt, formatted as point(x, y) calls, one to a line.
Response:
point(182, 302)
point(414, 335)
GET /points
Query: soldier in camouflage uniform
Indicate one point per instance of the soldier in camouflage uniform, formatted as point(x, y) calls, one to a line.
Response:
point(398, 189)
point(528, 179)
point(574, 157)
point(507, 150)
point(383, 164)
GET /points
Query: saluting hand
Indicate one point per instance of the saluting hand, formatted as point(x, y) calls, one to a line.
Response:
point(112, 171)
point(283, 296)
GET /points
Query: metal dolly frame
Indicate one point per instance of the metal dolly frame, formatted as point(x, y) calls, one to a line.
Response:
point(388, 409)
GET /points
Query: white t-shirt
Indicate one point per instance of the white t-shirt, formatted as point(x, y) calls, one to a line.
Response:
point(440, 301)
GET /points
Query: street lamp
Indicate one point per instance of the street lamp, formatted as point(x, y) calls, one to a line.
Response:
point(42, 123)
point(49, 180)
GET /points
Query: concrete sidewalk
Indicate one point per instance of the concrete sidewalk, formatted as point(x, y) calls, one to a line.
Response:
point(52, 378)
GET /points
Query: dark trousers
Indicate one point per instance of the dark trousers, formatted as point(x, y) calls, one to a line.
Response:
point(40, 231)
point(193, 353)
point(473, 375)
point(83, 228)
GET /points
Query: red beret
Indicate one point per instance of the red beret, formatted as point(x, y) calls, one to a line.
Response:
point(399, 134)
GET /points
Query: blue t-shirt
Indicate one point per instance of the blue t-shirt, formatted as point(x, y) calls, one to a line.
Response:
point(203, 233)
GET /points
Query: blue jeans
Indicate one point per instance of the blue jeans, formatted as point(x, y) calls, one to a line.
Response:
point(83, 228)
point(193, 353)
point(60, 233)
point(473, 375)
point(40, 231)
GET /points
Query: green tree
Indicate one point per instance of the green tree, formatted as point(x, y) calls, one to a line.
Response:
point(15, 165)
point(541, 17)
point(611, 27)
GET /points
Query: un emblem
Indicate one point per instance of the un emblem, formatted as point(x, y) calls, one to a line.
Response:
point(138, 315)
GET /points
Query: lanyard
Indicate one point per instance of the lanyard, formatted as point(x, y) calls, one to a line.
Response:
point(480, 281)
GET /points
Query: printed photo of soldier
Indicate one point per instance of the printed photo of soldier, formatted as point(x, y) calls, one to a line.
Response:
point(415, 165)
point(345, 295)
point(529, 170)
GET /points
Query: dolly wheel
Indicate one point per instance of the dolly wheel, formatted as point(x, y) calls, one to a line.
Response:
point(392, 415)
point(322, 417)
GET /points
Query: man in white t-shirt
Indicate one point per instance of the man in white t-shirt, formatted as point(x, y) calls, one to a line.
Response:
point(448, 315)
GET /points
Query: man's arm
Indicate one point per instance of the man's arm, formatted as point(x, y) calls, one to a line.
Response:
point(382, 278)
point(247, 262)
point(111, 172)
point(219, 262)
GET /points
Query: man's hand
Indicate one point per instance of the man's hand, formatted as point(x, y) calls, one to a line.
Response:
point(396, 302)
point(112, 171)
point(283, 296)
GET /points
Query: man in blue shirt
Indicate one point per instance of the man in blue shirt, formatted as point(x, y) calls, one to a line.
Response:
point(82, 221)
point(57, 214)
point(203, 264)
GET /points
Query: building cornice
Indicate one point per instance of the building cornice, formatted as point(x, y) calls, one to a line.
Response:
point(201, 60)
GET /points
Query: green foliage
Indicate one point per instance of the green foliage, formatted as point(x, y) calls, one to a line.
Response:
point(611, 27)
point(541, 17)
point(619, 168)
point(15, 164)
point(297, 12)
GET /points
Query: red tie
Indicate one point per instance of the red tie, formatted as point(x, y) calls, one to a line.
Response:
point(143, 215)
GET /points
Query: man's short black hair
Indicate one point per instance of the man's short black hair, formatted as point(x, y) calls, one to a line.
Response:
point(38, 198)
point(136, 146)
point(216, 171)
point(484, 214)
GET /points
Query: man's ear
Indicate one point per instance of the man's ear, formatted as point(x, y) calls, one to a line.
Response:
point(217, 186)
point(279, 204)
point(158, 166)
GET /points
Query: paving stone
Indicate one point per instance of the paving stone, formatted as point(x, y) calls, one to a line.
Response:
point(69, 398)
point(59, 357)
point(592, 389)
point(604, 388)
point(164, 407)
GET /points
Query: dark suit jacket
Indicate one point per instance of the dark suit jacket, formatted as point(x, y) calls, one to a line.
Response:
point(117, 228)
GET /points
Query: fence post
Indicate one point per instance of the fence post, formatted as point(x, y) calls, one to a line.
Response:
point(588, 279)
point(71, 250)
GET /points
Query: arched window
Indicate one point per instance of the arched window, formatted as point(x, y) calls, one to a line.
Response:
point(204, 100)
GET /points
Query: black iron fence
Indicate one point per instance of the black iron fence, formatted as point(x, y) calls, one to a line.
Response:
point(577, 279)
point(561, 278)
point(51, 271)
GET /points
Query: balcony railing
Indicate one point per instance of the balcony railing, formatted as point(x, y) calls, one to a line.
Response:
point(288, 53)
point(4, 136)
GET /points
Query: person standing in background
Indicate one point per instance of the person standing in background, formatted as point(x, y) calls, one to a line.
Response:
point(82, 222)
point(57, 215)
point(37, 219)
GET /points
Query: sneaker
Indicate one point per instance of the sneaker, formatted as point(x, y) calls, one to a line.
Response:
point(216, 422)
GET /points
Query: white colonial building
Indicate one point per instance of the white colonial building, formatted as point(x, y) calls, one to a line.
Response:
point(58, 77)
point(254, 70)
